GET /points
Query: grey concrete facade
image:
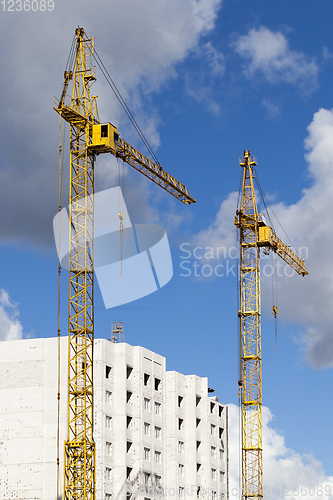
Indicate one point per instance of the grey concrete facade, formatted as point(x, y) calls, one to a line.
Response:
point(158, 434)
point(197, 439)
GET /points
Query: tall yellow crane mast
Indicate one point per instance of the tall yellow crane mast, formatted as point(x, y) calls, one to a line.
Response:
point(253, 234)
point(88, 138)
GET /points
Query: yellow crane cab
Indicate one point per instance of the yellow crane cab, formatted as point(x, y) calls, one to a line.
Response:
point(104, 138)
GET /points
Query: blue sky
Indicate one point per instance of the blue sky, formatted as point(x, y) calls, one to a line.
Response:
point(205, 79)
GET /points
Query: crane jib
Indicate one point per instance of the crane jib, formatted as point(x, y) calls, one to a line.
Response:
point(161, 177)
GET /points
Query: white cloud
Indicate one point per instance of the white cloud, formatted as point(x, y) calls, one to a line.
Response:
point(272, 109)
point(221, 233)
point(215, 59)
point(10, 326)
point(327, 55)
point(285, 470)
point(201, 93)
point(269, 54)
point(140, 42)
point(198, 83)
point(310, 225)
point(308, 222)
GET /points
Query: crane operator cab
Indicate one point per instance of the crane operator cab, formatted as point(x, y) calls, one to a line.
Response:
point(265, 236)
point(104, 138)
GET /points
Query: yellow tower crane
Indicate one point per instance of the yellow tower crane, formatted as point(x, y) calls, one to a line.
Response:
point(253, 235)
point(89, 138)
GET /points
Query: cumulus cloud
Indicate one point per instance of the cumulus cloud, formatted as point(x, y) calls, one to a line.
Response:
point(285, 470)
point(10, 326)
point(268, 53)
point(221, 233)
point(140, 54)
point(308, 222)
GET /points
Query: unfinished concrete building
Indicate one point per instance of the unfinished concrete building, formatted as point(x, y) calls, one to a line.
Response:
point(158, 434)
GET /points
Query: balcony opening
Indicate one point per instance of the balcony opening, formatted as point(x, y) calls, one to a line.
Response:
point(157, 384)
point(129, 370)
point(128, 396)
point(128, 473)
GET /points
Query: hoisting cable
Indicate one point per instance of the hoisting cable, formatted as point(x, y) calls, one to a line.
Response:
point(70, 60)
point(263, 199)
point(238, 307)
point(240, 385)
point(266, 202)
point(275, 310)
point(121, 214)
point(68, 75)
point(239, 192)
point(61, 153)
point(124, 105)
point(69, 66)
